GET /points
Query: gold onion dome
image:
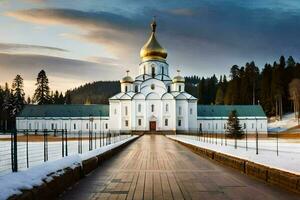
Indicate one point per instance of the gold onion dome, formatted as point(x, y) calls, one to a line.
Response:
point(127, 78)
point(178, 78)
point(152, 49)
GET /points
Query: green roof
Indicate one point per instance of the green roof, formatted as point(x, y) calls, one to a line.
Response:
point(224, 110)
point(69, 110)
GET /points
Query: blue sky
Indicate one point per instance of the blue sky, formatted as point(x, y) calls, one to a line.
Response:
point(79, 41)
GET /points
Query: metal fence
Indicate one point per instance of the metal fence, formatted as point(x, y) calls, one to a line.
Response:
point(23, 149)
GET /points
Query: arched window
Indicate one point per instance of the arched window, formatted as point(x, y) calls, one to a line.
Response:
point(169, 88)
point(136, 88)
point(126, 110)
point(179, 88)
point(200, 126)
point(126, 88)
point(167, 107)
point(152, 108)
point(152, 86)
point(191, 111)
point(139, 108)
point(166, 122)
point(180, 110)
point(152, 72)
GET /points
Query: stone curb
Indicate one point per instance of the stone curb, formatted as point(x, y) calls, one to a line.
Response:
point(58, 182)
point(276, 177)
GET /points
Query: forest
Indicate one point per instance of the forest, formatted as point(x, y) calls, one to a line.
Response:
point(276, 87)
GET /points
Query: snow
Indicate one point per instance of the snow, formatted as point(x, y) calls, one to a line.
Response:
point(288, 121)
point(288, 158)
point(12, 183)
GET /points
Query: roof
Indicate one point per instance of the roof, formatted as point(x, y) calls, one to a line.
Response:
point(66, 110)
point(224, 110)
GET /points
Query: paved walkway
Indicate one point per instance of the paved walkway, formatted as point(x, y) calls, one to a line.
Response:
point(154, 167)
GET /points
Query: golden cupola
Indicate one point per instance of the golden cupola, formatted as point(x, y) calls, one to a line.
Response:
point(152, 49)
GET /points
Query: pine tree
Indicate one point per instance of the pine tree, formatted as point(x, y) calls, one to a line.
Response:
point(18, 95)
point(219, 96)
point(42, 92)
point(234, 128)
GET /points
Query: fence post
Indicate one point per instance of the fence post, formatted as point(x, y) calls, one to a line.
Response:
point(27, 156)
point(62, 144)
point(45, 145)
point(66, 141)
point(14, 151)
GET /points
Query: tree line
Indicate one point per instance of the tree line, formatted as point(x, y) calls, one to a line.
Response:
point(276, 87)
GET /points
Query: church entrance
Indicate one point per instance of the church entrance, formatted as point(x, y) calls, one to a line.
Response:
point(152, 125)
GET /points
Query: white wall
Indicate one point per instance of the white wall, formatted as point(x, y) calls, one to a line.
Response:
point(218, 125)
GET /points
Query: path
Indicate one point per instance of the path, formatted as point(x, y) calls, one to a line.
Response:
point(155, 167)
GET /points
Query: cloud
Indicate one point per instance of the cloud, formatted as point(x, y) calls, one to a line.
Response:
point(62, 69)
point(182, 11)
point(13, 47)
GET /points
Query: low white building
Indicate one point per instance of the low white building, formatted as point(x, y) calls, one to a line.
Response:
point(153, 101)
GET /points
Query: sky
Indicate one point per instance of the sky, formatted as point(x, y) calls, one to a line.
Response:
point(78, 41)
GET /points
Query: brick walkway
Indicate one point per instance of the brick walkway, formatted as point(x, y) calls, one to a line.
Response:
point(155, 167)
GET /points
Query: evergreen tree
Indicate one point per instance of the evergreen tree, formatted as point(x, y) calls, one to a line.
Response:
point(234, 128)
point(42, 92)
point(18, 95)
point(219, 96)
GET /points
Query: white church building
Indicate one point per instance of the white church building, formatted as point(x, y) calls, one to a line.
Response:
point(151, 102)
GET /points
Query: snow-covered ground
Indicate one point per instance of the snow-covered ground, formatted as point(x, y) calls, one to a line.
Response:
point(288, 121)
point(288, 158)
point(12, 183)
point(36, 152)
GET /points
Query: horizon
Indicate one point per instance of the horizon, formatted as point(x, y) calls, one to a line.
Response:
point(81, 42)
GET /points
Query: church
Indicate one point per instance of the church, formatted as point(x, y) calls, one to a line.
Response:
point(153, 101)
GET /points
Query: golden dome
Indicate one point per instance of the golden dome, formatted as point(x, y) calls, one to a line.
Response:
point(152, 49)
point(178, 78)
point(127, 78)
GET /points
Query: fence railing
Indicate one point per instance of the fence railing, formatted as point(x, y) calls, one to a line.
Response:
point(26, 148)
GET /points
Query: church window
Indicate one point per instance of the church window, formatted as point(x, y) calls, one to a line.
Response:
point(152, 86)
point(252, 126)
point(29, 126)
point(169, 88)
point(261, 126)
point(152, 108)
point(126, 123)
point(166, 122)
point(95, 126)
point(180, 110)
point(179, 122)
point(152, 71)
point(167, 107)
point(200, 126)
point(179, 88)
point(208, 125)
point(136, 88)
point(224, 126)
point(126, 110)
point(191, 111)
point(87, 126)
point(244, 125)
point(106, 126)
point(216, 126)
point(139, 122)
point(52, 126)
point(139, 108)
point(74, 126)
point(115, 111)
point(126, 88)
point(66, 126)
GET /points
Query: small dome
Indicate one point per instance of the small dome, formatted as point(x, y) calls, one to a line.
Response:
point(178, 79)
point(127, 79)
point(152, 49)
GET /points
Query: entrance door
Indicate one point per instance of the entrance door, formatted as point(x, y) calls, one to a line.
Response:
point(152, 125)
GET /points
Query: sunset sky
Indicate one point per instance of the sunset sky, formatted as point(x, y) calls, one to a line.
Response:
point(80, 41)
